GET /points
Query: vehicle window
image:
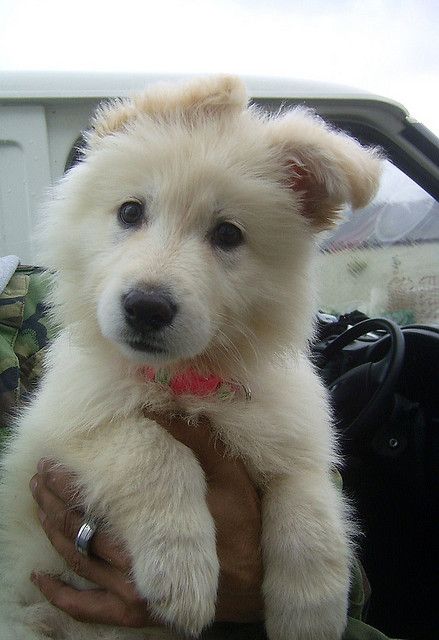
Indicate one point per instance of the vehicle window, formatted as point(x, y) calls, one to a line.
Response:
point(384, 259)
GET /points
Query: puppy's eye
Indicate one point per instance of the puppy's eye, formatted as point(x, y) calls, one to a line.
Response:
point(226, 236)
point(130, 213)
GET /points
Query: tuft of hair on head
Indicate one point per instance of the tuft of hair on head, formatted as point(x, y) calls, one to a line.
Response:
point(185, 102)
point(327, 168)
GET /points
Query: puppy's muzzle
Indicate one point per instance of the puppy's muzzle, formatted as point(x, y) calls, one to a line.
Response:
point(148, 310)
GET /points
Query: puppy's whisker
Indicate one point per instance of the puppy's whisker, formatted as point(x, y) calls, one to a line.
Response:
point(231, 350)
point(243, 331)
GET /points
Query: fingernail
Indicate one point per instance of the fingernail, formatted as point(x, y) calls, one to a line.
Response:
point(33, 484)
point(41, 516)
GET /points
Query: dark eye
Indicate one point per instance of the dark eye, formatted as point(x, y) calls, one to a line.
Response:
point(227, 236)
point(130, 213)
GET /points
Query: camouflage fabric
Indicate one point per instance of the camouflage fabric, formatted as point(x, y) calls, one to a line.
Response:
point(24, 335)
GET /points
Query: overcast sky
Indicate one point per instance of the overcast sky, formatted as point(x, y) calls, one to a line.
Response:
point(388, 47)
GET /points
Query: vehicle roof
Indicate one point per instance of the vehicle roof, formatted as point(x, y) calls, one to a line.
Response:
point(55, 84)
point(371, 118)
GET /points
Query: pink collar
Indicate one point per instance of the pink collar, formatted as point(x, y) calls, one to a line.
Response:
point(192, 383)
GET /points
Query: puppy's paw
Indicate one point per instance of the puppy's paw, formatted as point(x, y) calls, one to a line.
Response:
point(180, 591)
point(287, 621)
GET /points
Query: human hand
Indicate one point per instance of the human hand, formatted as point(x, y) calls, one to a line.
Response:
point(233, 502)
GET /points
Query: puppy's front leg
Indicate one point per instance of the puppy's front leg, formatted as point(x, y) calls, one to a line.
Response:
point(306, 557)
point(155, 501)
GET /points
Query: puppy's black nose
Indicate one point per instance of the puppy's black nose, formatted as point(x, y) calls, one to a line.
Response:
point(148, 309)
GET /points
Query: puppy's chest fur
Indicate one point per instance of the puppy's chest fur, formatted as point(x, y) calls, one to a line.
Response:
point(102, 402)
point(98, 395)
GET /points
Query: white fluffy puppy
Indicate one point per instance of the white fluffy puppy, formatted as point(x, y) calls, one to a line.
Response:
point(182, 246)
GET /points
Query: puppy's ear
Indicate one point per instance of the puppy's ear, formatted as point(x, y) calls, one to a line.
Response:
point(327, 169)
point(188, 102)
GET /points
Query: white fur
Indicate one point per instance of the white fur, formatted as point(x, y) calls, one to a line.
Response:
point(194, 154)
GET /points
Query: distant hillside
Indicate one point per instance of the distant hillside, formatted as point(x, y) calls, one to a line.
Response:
point(386, 223)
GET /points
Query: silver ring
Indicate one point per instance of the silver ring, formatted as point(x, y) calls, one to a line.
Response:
point(84, 535)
